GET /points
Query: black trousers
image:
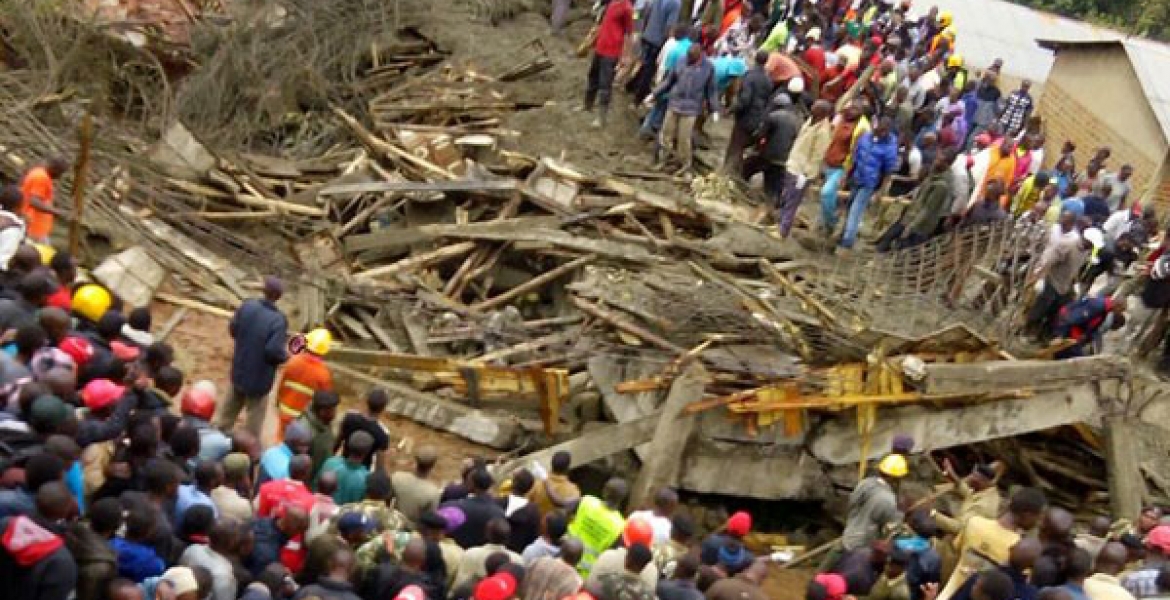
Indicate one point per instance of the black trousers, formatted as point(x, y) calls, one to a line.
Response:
point(600, 86)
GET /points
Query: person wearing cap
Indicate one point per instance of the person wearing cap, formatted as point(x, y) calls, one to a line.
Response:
point(728, 546)
point(228, 499)
point(350, 469)
point(500, 586)
point(749, 109)
point(274, 463)
point(1058, 267)
point(260, 331)
point(660, 514)
point(598, 522)
point(198, 407)
point(778, 133)
point(432, 527)
point(107, 412)
point(304, 374)
point(353, 530)
point(873, 504)
point(985, 543)
point(414, 491)
point(1143, 583)
point(980, 497)
point(319, 420)
point(637, 531)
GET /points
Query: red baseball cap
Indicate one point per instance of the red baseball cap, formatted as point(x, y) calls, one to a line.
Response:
point(501, 586)
point(834, 584)
point(739, 524)
point(124, 352)
point(77, 347)
point(101, 393)
point(1159, 537)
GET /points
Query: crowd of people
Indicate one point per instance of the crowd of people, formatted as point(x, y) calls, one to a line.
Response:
point(865, 99)
point(898, 545)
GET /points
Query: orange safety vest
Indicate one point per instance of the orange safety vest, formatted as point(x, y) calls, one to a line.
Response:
point(304, 374)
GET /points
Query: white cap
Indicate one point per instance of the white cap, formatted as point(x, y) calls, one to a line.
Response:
point(182, 580)
point(814, 33)
point(207, 386)
point(796, 85)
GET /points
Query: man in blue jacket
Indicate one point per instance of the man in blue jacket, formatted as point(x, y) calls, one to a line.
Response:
point(261, 333)
point(692, 89)
point(874, 159)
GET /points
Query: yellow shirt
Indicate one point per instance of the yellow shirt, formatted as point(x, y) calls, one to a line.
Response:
point(983, 503)
point(1106, 587)
point(983, 543)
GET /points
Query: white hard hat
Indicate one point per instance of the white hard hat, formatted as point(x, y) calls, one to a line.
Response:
point(1095, 237)
point(796, 85)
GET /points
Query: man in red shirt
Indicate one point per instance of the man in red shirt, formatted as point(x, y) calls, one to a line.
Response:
point(277, 494)
point(616, 25)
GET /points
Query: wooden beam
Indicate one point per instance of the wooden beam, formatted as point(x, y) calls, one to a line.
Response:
point(533, 283)
point(418, 261)
point(622, 324)
point(500, 185)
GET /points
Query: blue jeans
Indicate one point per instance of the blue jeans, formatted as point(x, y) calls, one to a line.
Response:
point(652, 124)
point(833, 176)
point(858, 202)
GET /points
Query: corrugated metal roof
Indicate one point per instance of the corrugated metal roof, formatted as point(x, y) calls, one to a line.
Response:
point(990, 29)
point(1151, 63)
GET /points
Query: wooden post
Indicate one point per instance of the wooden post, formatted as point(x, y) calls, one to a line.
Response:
point(84, 134)
point(674, 429)
point(1126, 486)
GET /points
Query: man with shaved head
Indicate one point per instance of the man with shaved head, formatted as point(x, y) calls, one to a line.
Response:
point(56, 323)
point(415, 492)
point(335, 584)
point(1021, 559)
point(215, 557)
point(1104, 583)
point(1096, 537)
point(261, 334)
point(274, 463)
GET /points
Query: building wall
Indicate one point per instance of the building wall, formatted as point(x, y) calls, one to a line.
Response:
point(1093, 98)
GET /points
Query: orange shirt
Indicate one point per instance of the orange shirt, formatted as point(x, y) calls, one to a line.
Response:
point(304, 374)
point(1003, 168)
point(37, 183)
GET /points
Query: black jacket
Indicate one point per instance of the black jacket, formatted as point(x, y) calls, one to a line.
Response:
point(328, 589)
point(30, 570)
point(478, 510)
point(779, 133)
point(261, 332)
point(525, 523)
point(751, 105)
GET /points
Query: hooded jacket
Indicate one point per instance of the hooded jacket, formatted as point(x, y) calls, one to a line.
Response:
point(260, 331)
point(779, 132)
point(34, 562)
point(136, 561)
point(97, 564)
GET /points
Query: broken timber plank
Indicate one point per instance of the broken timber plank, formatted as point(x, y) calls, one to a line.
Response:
point(533, 283)
point(504, 185)
point(419, 261)
point(496, 431)
point(623, 325)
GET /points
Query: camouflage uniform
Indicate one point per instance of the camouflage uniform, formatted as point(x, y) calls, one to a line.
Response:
point(623, 586)
point(666, 557)
point(387, 518)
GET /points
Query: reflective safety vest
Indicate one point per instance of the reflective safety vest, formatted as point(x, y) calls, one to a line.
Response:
point(598, 527)
point(304, 374)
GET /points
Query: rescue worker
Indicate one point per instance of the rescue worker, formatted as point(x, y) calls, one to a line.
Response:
point(956, 73)
point(90, 302)
point(598, 522)
point(304, 374)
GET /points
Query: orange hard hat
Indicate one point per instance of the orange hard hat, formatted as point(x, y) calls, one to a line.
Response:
point(638, 531)
point(198, 402)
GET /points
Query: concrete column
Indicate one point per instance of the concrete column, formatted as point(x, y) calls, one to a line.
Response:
point(1126, 486)
point(662, 462)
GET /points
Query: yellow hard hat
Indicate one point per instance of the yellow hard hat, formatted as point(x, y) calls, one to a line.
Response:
point(318, 341)
point(945, 18)
point(893, 465)
point(949, 33)
point(46, 251)
point(91, 301)
point(955, 60)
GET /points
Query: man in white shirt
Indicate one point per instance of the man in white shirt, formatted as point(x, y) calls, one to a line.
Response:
point(665, 503)
point(12, 226)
